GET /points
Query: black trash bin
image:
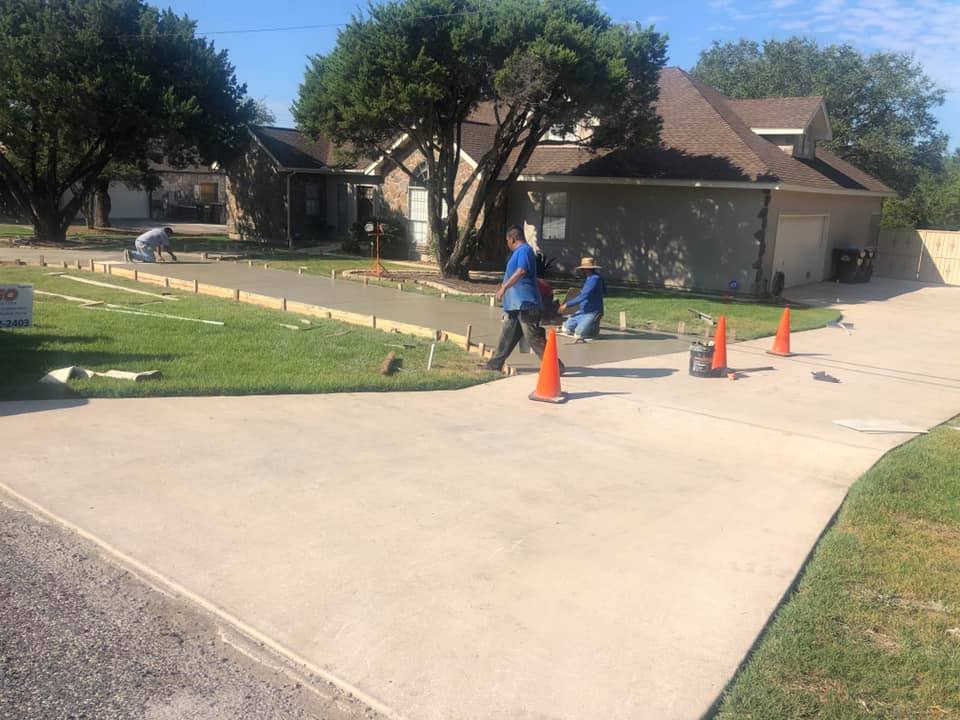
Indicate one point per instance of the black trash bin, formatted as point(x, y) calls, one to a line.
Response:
point(846, 262)
point(701, 360)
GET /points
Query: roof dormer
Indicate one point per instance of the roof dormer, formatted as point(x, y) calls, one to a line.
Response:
point(795, 125)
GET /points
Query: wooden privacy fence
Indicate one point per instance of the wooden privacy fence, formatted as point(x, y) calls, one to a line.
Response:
point(931, 256)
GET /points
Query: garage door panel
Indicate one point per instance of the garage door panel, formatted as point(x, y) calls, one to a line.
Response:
point(799, 249)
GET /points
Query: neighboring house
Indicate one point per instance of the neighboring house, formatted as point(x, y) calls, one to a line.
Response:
point(292, 189)
point(192, 194)
point(737, 191)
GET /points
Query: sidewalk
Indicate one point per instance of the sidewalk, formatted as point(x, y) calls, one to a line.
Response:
point(409, 306)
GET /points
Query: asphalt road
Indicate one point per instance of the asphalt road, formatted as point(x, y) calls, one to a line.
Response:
point(81, 637)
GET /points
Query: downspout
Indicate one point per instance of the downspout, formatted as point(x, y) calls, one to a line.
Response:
point(289, 227)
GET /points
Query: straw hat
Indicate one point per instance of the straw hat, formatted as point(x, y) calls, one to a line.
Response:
point(587, 263)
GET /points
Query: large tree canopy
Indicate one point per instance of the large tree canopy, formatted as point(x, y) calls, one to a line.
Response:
point(881, 105)
point(933, 204)
point(419, 68)
point(84, 83)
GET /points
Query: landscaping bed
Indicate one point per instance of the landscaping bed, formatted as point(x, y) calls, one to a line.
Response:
point(873, 629)
point(251, 353)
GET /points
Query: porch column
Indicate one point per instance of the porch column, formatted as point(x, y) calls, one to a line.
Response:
point(289, 228)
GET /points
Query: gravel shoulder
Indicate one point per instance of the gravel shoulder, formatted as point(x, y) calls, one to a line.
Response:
point(81, 637)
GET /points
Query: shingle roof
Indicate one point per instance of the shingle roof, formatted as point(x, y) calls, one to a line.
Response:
point(703, 137)
point(786, 112)
point(294, 150)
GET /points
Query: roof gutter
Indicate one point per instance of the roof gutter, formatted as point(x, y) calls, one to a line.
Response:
point(720, 184)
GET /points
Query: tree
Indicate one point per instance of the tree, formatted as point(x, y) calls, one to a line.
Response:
point(262, 114)
point(880, 105)
point(419, 68)
point(84, 83)
point(934, 203)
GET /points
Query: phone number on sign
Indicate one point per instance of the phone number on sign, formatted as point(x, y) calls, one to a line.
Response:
point(23, 322)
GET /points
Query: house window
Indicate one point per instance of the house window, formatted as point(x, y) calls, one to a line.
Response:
point(365, 203)
point(417, 198)
point(312, 196)
point(208, 193)
point(554, 225)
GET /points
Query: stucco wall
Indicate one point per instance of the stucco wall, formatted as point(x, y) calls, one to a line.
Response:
point(853, 221)
point(679, 237)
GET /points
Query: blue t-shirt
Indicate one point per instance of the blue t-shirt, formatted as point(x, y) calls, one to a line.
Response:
point(591, 295)
point(523, 295)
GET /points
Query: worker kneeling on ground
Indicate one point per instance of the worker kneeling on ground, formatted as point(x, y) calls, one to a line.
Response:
point(585, 322)
point(149, 247)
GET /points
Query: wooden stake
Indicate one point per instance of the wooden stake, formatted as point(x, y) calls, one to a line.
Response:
point(64, 264)
point(483, 349)
point(400, 287)
point(681, 327)
point(79, 264)
point(373, 321)
point(196, 287)
point(283, 304)
point(623, 320)
point(203, 255)
point(266, 266)
point(166, 282)
point(333, 274)
point(110, 269)
point(299, 271)
point(136, 275)
point(493, 301)
point(236, 295)
point(469, 333)
point(443, 296)
point(249, 263)
point(91, 265)
point(433, 347)
point(366, 280)
point(43, 262)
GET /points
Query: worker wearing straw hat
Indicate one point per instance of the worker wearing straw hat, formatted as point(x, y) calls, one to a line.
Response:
point(585, 322)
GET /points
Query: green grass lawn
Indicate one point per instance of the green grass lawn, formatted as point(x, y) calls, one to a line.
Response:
point(873, 630)
point(665, 308)
point(251, 354)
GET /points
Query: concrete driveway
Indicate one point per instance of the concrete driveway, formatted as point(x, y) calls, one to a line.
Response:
point(475, 555)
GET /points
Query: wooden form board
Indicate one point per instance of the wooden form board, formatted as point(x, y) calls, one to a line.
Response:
point(300, 308)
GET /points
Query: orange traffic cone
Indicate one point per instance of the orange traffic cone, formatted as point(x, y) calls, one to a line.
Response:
point(781, 344)
point(548, 384)
point(720, 347)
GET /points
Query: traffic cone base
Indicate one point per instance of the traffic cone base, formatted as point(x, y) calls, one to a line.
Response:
point(548, 382)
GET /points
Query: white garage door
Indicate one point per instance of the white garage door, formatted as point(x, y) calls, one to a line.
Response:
point(127, 203)
point(799, 252)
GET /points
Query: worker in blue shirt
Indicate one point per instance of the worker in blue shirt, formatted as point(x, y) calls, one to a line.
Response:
point(585, 322)
point(521, 302)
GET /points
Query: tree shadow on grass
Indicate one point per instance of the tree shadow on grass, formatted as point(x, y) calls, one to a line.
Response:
point(27, 360)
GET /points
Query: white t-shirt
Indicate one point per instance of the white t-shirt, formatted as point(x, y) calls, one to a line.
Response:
point(153, 239)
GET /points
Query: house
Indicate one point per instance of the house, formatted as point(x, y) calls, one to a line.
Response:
point(737, 196)
point(194, 194)
point(288, 187)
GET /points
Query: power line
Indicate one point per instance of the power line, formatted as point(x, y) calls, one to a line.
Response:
point(253, 31)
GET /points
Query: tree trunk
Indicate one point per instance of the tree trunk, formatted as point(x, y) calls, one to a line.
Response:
point(47, 225)
point(101, 216)
point(88, 211)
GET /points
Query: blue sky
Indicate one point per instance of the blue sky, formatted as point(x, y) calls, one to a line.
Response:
point(272, 63)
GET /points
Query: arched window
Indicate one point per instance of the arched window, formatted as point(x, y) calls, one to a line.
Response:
point(417, 207)
point(420, 175)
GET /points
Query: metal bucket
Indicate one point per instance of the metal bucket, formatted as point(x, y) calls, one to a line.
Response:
point(701, 358)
